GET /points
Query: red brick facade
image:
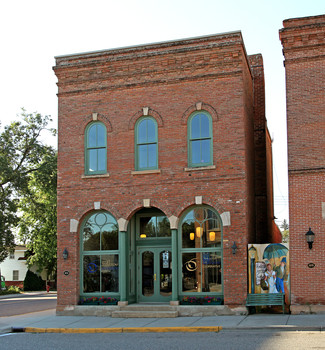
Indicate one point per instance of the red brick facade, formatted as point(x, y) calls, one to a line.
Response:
point(303, 41)
point(168, 81)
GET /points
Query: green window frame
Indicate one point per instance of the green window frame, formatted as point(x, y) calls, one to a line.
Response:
point(95, 149)
point(200, 242)
point(99, 255)
point(200, 140)
point(146, 144)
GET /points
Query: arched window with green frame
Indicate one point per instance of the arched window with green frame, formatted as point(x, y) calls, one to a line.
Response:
point(200, 242)
point(99, 254)
point(95, 149)
point(146, 144)
point(200, 145)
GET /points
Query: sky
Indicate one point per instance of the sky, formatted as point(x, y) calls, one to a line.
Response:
point(33, 32)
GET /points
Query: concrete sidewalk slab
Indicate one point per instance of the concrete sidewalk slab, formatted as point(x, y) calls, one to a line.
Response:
point(259, 321)
point(47, 320)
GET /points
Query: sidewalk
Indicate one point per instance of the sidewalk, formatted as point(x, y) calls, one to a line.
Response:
point(47, 321)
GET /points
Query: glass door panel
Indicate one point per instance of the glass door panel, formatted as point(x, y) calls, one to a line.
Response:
point(148, 268)
point(165, 260)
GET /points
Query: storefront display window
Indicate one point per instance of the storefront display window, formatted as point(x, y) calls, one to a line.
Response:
point(100, 256)
point(201, 251)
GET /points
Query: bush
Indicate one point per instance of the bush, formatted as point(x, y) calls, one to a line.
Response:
point(33, 282)
point(13, 289)
point(10, 290)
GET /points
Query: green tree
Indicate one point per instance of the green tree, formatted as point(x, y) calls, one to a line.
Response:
point(285, 231)
point(21, 154)
point(37, 224)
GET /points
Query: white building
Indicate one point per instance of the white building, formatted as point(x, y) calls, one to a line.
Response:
point(14, 267)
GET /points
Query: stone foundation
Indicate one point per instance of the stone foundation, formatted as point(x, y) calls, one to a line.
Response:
point(307, 309)
point(182, 310)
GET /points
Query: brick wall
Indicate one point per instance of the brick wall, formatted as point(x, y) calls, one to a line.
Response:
point(303, 41)
point(170, 79)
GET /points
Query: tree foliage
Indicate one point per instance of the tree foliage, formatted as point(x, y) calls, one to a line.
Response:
point(285, 231)
point(38, 221)
point(24, 160)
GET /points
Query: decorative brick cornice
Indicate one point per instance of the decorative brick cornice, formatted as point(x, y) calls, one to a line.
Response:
point(303, 39)
point(178, 60)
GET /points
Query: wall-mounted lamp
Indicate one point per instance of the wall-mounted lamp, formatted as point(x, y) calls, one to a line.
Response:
point(234, 248)
point(192, 236)
point(310, 237)
point(65, 254)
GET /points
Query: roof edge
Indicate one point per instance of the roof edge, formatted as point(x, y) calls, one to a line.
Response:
point(152, 45)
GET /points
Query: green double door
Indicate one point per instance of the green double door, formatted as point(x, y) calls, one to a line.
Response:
point(154, 274)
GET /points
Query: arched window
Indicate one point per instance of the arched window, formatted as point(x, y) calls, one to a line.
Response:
point(146, 143)
point(99, 254)
point(95, 149)
point(201, 252)
point(200, 139)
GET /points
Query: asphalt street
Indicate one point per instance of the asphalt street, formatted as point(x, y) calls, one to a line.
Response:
point(26, 304)
point(228, 340)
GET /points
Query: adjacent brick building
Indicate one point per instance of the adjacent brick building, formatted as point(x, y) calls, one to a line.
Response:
point(164, 166)
point(303, 41)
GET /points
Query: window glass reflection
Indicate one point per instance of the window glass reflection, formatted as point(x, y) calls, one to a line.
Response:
point(205, 151)
point(142, 131)
point(152, 155)
point(109, 273)
point(151, 131)
point(92, 136)
point(201, 229)
point(195, 127)
point(155, 226)
point(165, 281)
point(147, 273)
point(91, 276)
point(201, 272)
point(205, 127)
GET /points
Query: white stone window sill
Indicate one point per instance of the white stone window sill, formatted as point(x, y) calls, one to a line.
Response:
point(209, 167)
point(94, 176)
point(143, 172)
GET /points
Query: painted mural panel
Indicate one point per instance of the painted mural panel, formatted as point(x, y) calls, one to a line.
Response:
point(269, 269)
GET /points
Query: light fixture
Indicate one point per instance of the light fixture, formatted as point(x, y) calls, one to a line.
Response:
point(65, 254)
point(212, 236)
point(199, 231)
point(143, 235)
point(310, 237)
point(192, 236)
point(234, 248)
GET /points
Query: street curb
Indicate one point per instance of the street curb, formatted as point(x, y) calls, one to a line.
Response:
point(116, 330)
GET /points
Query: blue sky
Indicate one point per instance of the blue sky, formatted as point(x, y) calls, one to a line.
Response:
point(34, 31)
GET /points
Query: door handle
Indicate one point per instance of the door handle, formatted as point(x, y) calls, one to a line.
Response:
point(155, 277)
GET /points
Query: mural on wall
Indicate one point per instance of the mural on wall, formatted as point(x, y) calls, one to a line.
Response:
point(269, 269)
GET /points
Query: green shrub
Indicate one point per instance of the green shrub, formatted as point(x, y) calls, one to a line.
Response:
point(13, 289)
point(10, 290)
point(33, 282)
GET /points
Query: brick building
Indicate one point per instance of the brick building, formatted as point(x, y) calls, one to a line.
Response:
point(303, 41)
point(164, 168)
